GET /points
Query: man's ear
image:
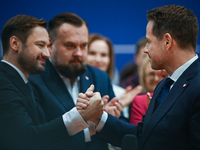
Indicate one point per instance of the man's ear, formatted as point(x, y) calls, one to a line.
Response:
point(15, 43)
point(168, 41)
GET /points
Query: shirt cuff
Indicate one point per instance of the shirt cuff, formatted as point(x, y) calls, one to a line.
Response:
point(88, 132)
point(87, 135)
point(102, 122)
point(74, 122)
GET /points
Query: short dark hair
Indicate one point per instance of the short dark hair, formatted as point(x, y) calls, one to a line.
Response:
point(20, 26)
point(178, 21)
point(61, 18)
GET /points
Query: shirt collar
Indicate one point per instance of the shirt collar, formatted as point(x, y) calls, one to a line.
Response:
point(178, 72)
point(19, 71)
point(67, 80)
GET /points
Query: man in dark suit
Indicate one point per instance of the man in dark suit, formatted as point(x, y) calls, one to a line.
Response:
point(23, 125)
point(173, 124)
point(66, 74)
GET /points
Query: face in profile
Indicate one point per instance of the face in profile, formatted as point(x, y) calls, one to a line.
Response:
point(34, 52)
point(69, 50)
point(155, 49)
point(98, 55)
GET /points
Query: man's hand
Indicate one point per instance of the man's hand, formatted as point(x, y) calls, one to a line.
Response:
point(84, 99)
point(93, 106)
point(113, 107)
point(127, 98)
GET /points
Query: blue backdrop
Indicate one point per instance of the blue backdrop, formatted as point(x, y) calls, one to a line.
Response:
point(123, 21)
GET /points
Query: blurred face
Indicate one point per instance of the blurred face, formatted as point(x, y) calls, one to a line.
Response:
point(153, 77)
point(34, 52)
point(69, 50)
point(140, 57)
point(98, 55)
point(155, 49)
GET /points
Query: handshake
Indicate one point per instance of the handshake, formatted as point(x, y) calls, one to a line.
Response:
point(91, 105)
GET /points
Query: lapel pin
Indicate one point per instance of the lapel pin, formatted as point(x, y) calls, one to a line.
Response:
point(86, 77)
point(184, 85)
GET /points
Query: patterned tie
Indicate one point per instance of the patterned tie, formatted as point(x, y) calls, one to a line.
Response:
point(164, 91)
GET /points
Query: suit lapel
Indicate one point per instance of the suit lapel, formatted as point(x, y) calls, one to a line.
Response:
point(24, 89)
point(153, 118)
point(150, 109)
point(85, 81)
point(57, 86)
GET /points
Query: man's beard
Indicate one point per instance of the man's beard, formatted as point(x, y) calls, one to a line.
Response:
point(70, 70)
point(28, 62)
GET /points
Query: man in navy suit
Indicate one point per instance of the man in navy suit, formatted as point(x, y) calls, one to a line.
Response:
point(171, 35)
point(23, 125)
point(67, 73)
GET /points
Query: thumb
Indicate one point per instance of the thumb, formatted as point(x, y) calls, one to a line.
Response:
point(90, 90)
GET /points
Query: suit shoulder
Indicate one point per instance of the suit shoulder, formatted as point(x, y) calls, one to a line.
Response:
point(96, 71)
point(6, 78)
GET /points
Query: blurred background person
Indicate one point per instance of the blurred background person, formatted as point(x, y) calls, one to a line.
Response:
point(101, 55)
point(148, 79)
point(129, 74)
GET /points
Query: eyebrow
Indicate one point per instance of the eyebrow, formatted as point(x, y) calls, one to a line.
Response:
point(43, 42)
point(74, 43)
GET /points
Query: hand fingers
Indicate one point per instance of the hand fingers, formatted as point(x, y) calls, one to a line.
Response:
point(117, 110)
point(82, 103)
point(119, 107)
point(89, 91)
point(112, 102)
point(79, 108)
point(137, 90)
point(120, 104)
point(105, 100)
point(83, 96)
point(105, 97)
point(128, 88)
point(97, 97)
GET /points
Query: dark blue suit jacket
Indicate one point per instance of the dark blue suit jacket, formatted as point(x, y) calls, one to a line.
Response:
point(21, 121)
point(175, 125)
point(55, 99)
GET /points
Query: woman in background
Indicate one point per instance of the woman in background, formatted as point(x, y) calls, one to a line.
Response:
point(149, 79)
point(101, 55)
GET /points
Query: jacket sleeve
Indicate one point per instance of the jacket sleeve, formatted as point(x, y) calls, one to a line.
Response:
point(18, 131)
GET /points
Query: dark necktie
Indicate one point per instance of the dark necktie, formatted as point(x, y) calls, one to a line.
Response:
point(164, 91)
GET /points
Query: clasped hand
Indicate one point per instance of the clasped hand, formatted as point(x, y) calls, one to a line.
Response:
point(91, 105)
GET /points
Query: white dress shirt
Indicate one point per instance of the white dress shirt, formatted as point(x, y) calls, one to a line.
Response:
point(74, 91)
